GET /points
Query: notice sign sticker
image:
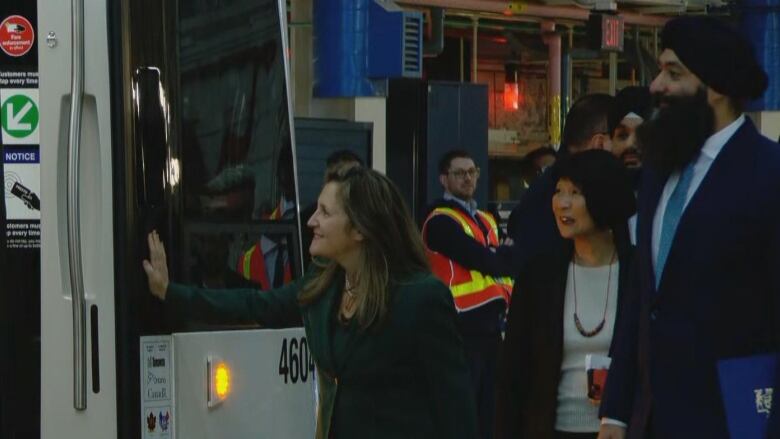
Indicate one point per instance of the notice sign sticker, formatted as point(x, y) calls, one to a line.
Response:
point(157, 423)
point(22, 184)
point(19, 116)
point(16, 35)
point(157, 371)
point(157, 408)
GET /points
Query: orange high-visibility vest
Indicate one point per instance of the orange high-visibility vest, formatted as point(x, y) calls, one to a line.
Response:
point(470, 289)
point(276, 214)
point(251, 265)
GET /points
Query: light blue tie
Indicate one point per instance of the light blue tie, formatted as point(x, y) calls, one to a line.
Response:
point(674, 210)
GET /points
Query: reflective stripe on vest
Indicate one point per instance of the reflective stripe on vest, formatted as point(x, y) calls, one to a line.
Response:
point(276, 214)
point(251, 266)
point(470, 288)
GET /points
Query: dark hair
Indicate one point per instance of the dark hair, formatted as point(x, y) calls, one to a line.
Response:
point(632, 99)
point(392, 248)
point(586, 118)
point(604, 183)
point(540, 152)
point(343, 156)
point(446, 159)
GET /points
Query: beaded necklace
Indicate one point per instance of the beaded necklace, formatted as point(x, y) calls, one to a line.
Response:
point(577, 322)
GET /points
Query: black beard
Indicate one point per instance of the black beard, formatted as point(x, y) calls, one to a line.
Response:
point(634, 176)
point(676, 133)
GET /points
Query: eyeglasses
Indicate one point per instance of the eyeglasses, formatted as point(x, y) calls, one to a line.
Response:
point(461, 173)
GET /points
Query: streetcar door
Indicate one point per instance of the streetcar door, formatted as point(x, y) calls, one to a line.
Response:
point(182, 125)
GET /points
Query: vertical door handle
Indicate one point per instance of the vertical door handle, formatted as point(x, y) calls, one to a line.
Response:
point(73, 219)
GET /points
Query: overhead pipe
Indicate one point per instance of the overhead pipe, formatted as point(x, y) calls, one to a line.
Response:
point(462, 62)
point(538, 11)
point(435, 45)
point(494, 25)
point(553, 41)
point(474, 44)
point(567, 74)
point(613, 65)
point(655, 43)
point(641, 57)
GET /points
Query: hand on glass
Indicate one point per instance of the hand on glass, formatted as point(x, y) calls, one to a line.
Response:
point(609, 431)
point(156, 267)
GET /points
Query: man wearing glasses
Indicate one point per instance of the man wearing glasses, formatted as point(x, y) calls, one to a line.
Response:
point(462, 244)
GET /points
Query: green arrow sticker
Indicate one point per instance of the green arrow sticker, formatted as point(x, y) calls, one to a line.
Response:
point(19, 116)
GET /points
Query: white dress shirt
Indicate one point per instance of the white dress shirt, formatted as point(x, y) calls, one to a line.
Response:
point(470, 205)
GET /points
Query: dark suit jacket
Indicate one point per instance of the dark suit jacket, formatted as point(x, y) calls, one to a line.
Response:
point(531, 224)
point(405, 379)
point(530, 367)
point(719, 295)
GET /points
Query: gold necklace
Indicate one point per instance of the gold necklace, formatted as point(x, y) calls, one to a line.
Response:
point(577, 323)
point(348, 302)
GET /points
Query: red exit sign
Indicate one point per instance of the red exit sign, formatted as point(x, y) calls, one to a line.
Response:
point(606, 32)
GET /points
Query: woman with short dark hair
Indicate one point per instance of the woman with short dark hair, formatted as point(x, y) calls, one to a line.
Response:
point(565, 306)
point(380, 327)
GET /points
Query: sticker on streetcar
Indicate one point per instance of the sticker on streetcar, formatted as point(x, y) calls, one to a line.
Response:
point(17, 36)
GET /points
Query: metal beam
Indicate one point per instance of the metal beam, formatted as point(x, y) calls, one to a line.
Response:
point(529, 10)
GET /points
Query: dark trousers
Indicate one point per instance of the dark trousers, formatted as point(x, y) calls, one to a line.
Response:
point(566, 435)
point(482, 358)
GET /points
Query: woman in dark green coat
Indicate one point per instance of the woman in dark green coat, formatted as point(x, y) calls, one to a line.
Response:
point(380, 327)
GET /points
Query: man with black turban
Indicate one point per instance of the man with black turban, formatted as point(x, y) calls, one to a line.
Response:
point(708, 252)
point(631, 107)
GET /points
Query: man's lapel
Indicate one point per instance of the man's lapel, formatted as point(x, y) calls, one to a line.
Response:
point(711, 190)
point(649, 197)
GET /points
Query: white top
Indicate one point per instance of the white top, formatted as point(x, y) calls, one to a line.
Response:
point(709, 152)
point(575, 413)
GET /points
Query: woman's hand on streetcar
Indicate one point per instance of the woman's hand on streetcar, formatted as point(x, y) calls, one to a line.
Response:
point(156, 267)
point(608, 431)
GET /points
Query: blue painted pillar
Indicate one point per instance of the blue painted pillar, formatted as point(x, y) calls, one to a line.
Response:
point(761, 24)
point(340, 48)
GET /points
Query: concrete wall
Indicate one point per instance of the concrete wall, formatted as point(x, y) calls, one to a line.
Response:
point(768, 122)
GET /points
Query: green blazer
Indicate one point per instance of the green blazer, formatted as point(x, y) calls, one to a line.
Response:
point(404, 379)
